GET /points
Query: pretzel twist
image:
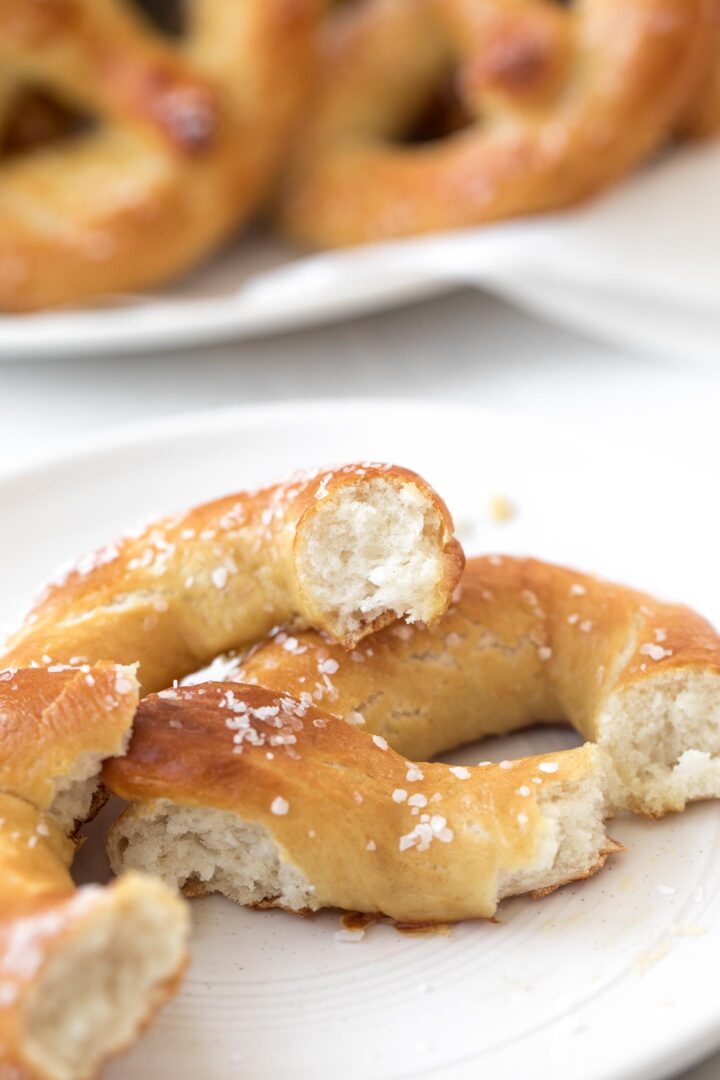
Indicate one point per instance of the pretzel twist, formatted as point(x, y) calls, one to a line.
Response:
point(559, 103)
point(62, 949)
point(528, 642)
point(184, 139)
point(347, 550)
point(265, 798)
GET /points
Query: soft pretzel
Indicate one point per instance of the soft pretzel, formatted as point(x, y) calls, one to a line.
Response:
point(81, 971)
point(528, 642)
point(702, 119)
point(560, 102)
point(183, 140)
point(57, 726)
point(347, 550)
point(251, 793)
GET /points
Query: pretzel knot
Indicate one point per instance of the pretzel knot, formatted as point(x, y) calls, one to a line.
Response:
point(174, 147)
point(550, 103)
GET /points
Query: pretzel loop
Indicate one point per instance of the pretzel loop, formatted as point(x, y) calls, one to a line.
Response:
point(559, 102)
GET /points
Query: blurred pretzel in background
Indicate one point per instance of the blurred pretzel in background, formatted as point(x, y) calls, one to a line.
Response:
point(135, 152)
point(703, 118)
point(136, 135)
point(557, 100)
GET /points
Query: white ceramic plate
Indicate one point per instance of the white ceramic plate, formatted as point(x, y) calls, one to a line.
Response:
point(612, 266)
point(613, 978)
point(258, 286)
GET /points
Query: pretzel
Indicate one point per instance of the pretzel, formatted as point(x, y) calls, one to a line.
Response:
point(56, 727)
point(184, 139)
point(558, 102)
point(252, 793)
point(528, 642)
point(347, 550)
point(702, 120)
point(81, 971)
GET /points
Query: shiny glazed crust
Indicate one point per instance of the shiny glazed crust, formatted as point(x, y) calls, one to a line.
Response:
point(369, 830)
point(220, 575)
point(523, 642)
point(186, 139)
point(559, 103)
point(52, 720)
point(56, 725)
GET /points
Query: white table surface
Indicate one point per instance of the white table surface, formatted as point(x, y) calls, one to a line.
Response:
point(465, 346)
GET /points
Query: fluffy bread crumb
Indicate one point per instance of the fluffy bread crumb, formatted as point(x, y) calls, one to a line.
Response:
point(104, 979)
point(575, 842)
point(371, 551)
point(662, 740)
point(207, 850)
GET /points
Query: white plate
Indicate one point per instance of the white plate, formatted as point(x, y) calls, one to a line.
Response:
point(612, 978)
point(258, 286)
point(625, 266)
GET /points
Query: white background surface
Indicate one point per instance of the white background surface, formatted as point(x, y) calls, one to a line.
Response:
point(462, 347)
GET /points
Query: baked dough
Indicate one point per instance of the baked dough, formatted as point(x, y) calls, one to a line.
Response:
point(182, 141)
point(559, 102)
point(346, 550)
point(81, 971)
point(262, 797)
point(527, 642)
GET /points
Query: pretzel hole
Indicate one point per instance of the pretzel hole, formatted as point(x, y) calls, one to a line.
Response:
point(169, 17)
point(39, 119)
point(443, 114)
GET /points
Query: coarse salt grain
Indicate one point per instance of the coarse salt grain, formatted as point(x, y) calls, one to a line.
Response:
point(122, 684)
point(544, 652)
point(219, 577)
point(548, 766)
point(279, 806)
point(414, 774)
point(399, 795)
point(655, 652)
point(380, 742)
point(460, 771)
point(371, 846)
point(524, 790)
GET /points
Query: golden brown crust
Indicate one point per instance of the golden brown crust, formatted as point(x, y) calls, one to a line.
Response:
point(702, 119)
point(55, 723)
point(524, 642)
point(222, 574)
point(357, 819)
point(35, 855)
point(34, 932)
point(562, 103)
point(52, 718)
point(186, 141)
